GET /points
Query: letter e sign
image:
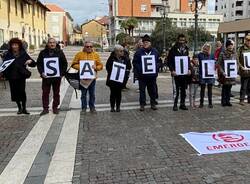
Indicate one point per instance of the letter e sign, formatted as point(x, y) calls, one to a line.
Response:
point(148, 64)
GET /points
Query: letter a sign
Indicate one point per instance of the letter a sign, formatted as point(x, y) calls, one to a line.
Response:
point(230, 68)
point(118, 72)
point(247, 60)
point(148, 64)
point(86, 69)
point(51, 67)
point(181, 65)
point(208, 69)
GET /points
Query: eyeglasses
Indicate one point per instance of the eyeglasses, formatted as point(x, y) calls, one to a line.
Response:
point(89, 46)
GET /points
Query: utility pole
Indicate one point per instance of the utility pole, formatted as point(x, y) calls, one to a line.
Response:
point(165, 5)
point(195, 10)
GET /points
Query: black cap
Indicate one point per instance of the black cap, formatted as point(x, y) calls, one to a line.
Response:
point(146, 38)
point(229, 42)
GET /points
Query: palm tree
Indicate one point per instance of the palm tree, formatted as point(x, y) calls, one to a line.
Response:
point(132, 23)
point(124, 26)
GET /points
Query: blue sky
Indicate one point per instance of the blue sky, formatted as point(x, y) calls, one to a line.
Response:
point(81, 10)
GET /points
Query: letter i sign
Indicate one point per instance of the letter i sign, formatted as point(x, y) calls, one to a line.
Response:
point(247, 60)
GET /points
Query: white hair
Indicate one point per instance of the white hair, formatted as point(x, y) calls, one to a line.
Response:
point(118, 47)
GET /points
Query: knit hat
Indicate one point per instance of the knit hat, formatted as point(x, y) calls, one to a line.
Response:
point(146, 38)
point(229, 42)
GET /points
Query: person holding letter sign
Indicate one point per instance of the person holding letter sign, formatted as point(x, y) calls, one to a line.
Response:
point(88, 55)
point(117, 65)
point(227, 70)
point(179, 54)
point(244, 70)
point(52, 65)
point(145, 62)
point(207, 77)
point(17, 72)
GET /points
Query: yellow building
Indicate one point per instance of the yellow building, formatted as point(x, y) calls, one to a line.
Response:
point(95, 32)
point(25, 19)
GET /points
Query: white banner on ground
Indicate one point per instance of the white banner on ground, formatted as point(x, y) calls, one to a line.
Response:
point(247, 60)
point(208, 69)
point(118, 72)
point(51, 67)
point(181, 65)
point(86, 69)
point(148, 64)
point(218, 142)
point(6, 64)
point(230, 68)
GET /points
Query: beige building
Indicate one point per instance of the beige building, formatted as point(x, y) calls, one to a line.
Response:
point(76, 38)
point(96, 32)
point(25, 19)
point(59, 23)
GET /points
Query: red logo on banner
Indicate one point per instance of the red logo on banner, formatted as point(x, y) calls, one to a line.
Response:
point(226, 137)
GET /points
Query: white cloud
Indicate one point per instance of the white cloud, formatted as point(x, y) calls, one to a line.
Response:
point(80, 10)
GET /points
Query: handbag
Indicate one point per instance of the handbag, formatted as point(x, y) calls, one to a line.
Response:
point(73, 79)
point(24, 72)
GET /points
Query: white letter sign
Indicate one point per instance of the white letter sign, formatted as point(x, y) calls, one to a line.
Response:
point(181, 65)
point(148, 64)
point(208, 69)
point(51, 67)
point(118, 72)
point(218, 142)
point(6, 64)
point(86, 69)
point(230, 68)
point(247, 60)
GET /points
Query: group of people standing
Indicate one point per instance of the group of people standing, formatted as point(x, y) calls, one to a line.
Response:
point(146, 62)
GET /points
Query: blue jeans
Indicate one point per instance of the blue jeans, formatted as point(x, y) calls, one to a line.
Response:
point(91, 90)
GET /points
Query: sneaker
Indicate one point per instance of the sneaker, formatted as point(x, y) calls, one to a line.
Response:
point(210, 106)
point(183, 107)
point(153, 107)
point(175, 108)
point(55, 111)
point(142, 108)
point(201, 106)
point(84, 110)
point(242, 103)
point(112, 110)
point(93, 110)
point(118, 109)
point(25, 112)
point(44, 112)
point(19, 111)
point(229, 104)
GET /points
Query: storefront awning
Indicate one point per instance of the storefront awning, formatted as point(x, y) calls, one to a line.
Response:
point(234, 26)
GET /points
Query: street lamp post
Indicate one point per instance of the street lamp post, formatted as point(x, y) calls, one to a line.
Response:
point(165, 5)
point(195, 10)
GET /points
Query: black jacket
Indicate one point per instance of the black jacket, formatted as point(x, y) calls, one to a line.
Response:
point(112, 58)
point(17, 69)
point(49, 53)
point(175, 51)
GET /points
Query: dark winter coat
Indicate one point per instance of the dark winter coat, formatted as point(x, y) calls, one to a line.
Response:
point(242, 72)
point(18, 68)
point(109, 65)
point(202, 56)
point(176, 51)
point(137, 62)
point(50, 53)
point(226, 55)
